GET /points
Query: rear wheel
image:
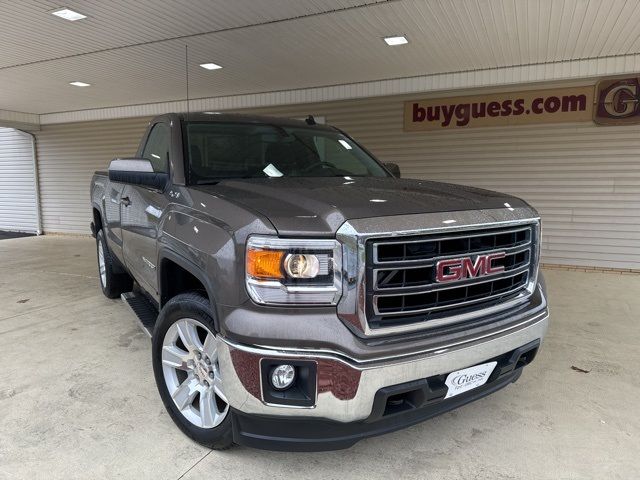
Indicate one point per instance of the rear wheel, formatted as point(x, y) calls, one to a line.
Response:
point(187, 371)
point(113, 284)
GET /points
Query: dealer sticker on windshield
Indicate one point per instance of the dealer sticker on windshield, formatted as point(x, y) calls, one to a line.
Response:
point(467, 379)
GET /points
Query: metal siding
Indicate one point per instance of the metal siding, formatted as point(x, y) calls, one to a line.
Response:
point(506, 77)
point(133, 52)
point(68, 155)
point(29, 33)
point(18, 202)
point(19, 120)
point(584, 179)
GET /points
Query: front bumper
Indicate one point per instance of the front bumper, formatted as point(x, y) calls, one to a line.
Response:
point(394, 408)
point(347, 389)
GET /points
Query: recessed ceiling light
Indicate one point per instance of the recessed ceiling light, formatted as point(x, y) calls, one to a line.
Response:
point(68, 14)
point(393, 41)
point(80, 84)
point(210, 66)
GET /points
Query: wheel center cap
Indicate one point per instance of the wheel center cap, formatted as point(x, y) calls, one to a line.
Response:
point(202, 371)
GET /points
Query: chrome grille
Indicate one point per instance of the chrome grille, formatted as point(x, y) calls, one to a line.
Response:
point(401, 274)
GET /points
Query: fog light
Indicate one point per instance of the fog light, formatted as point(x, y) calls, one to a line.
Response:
point(282, 376)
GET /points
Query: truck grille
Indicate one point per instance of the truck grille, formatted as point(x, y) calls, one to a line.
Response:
point(401, 283)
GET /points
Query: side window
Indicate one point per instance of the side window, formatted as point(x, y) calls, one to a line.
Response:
point(157, 148)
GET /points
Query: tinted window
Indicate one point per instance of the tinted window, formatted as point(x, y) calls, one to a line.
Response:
point(218, 151)
point(157, 148)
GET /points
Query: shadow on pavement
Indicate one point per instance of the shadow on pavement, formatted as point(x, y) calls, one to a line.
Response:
point(5, 235)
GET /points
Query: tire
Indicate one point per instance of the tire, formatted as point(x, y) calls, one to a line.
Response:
point(113, 284)
point(187, 373)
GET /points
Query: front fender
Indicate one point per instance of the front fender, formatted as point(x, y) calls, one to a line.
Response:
point(211, 249)
point(169, 254)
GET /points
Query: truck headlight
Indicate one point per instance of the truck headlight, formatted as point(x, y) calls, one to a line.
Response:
point(281, 271)
point(303, 265)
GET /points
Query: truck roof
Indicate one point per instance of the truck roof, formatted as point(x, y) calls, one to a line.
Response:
point(245, 118)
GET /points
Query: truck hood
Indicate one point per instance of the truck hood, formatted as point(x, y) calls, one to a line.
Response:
point(319, 206)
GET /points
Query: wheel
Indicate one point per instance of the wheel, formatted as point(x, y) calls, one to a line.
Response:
point(187, 372)
point(113, 284)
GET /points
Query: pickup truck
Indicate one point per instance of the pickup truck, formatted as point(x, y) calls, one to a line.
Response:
point(302, 296)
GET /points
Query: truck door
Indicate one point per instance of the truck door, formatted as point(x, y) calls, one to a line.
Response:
point(141, 210)
point(112, 218)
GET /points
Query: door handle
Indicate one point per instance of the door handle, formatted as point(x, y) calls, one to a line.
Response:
point(125, 201)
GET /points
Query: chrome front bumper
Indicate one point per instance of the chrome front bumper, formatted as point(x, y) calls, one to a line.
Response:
point(243, 394)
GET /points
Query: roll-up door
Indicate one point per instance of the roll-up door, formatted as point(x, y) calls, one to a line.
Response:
point(18, 199)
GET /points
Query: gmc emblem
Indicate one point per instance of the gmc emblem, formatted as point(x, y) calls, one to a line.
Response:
point(455, 269)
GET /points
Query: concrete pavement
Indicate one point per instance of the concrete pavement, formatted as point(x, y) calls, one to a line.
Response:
point(78, 399)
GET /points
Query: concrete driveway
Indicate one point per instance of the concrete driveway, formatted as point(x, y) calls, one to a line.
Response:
point(78, 400)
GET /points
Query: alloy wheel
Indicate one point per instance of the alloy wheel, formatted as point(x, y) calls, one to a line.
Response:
point(192, 374)
point(101, 264)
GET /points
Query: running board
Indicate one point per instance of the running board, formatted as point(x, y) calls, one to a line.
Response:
point(145, 312)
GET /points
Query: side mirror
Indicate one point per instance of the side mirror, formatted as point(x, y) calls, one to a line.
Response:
point(137, 171)
point(393, 168)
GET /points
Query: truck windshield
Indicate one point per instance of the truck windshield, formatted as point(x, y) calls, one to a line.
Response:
point(220, 151)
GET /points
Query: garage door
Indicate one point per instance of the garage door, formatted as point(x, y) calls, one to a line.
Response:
point(18, 201)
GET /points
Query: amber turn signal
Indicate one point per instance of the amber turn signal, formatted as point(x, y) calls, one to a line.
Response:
point(264, 263)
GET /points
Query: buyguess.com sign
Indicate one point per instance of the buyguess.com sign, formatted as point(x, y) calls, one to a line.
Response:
point(490, 110)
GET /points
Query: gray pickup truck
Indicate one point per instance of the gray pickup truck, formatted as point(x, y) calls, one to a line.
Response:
point(300, 295)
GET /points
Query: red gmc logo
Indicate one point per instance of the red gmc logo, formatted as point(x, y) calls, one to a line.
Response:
point(455, 269)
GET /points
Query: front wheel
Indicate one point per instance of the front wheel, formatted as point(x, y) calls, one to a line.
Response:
point(187, 370)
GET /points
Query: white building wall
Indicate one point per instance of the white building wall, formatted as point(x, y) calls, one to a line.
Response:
point(68, 155)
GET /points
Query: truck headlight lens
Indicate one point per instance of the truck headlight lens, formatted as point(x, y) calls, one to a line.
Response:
point(302, 265)
point(282, 271)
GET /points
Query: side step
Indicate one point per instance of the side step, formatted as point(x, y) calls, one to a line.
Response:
point(146, 314)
